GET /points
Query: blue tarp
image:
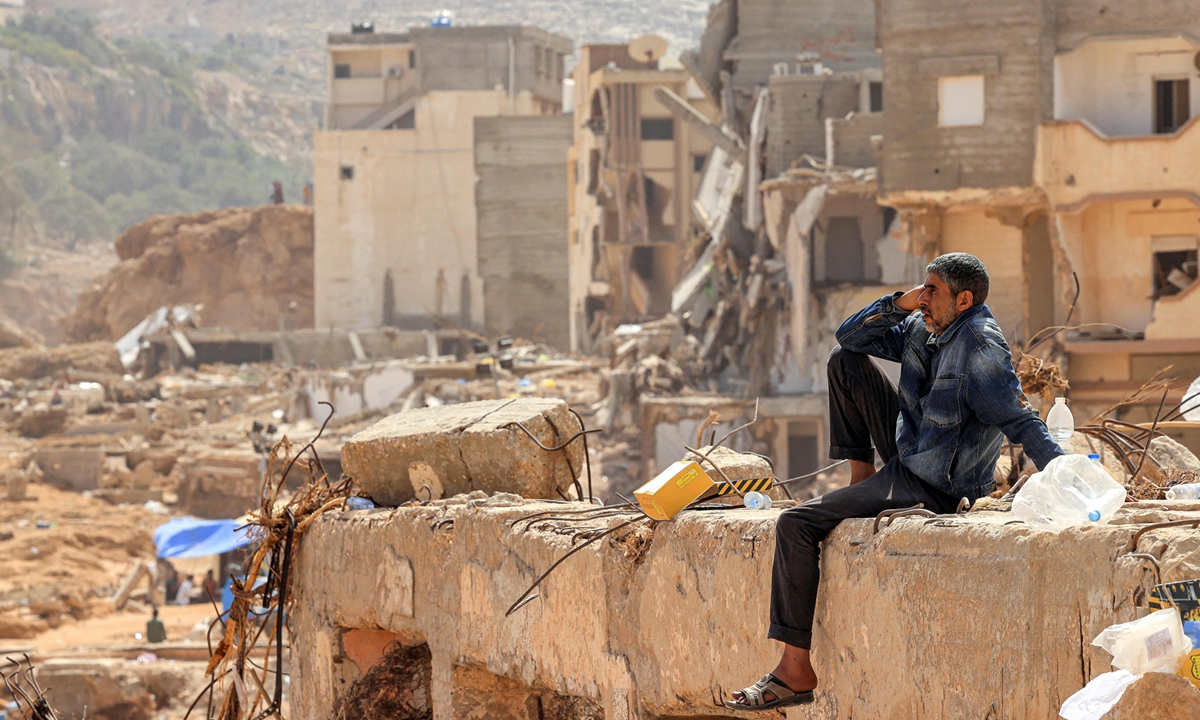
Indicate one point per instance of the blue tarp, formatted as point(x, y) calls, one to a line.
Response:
point(190, 537)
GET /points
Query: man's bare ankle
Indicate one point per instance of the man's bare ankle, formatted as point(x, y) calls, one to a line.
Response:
point(860, 471)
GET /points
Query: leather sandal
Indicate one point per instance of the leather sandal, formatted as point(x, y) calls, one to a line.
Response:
point(754, 697)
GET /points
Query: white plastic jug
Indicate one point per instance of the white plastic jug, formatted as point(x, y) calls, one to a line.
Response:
point(1071, 491)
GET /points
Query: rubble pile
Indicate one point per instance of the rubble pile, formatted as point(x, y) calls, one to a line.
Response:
point(247, 267)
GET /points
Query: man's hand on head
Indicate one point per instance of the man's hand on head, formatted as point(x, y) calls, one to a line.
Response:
point(908, 301)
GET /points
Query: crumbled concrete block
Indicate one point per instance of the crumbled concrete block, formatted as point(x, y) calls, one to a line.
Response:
point(41, 420)
point(1158, 696)
point(78, 468)
point(99, 688)
point(460, 448)
point(735, 465)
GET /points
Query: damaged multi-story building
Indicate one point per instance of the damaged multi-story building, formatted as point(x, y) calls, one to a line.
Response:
point(787, 236)
point(405, 236)
point(1055, 138)
point(636, 168)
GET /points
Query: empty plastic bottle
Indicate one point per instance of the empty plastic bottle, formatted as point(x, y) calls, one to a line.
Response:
point(359, 503)
point(756, 501)
point(1191, 491)
point(1061, 423)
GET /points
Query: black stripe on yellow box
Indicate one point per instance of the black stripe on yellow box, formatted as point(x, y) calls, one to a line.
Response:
point(745, 486)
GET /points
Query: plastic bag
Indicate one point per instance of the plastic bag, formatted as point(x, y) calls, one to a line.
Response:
point(1191, 402)
point(1071, 491)
point(1155, 643)
point(1098, 697)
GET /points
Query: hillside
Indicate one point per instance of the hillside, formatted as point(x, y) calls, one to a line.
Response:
point(97, 135)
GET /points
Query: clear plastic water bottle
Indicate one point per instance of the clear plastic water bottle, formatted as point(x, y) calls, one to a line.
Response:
point(756, 501)
point(1190, 491)
point(359, 503)
point(1061, 423)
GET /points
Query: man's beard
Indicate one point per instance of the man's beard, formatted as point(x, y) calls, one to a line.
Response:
point(938, 325)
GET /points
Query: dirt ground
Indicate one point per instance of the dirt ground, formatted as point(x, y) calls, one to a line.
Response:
point(117, 629)
point(65, 556)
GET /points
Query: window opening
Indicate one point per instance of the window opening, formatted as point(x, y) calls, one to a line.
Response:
point(642, 261)
point(1171, 105)
point(658, 128)
point(1174, 264)
point(876, 91)
point(843, 250)
point(341, 71)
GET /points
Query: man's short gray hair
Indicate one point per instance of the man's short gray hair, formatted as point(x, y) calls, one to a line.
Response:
point(962, 271)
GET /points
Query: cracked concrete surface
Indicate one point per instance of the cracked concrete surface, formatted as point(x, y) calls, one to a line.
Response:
point(456, 449)
point(966, 617)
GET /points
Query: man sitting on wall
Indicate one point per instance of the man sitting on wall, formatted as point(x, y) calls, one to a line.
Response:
point(939, 437)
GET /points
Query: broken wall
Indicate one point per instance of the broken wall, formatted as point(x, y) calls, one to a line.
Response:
point(796, 112)
point(854, 140)
point(841, 34)
point(521, 200)
point(659, 622)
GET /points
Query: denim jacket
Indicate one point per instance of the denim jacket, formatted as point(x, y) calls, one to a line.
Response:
point(958, 394)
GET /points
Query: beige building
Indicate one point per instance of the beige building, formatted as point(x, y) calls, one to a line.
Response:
point(1060, 142)
point(636, 170)
point(395, 168)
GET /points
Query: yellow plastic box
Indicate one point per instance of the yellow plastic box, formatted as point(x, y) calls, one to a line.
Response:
point(663, 497)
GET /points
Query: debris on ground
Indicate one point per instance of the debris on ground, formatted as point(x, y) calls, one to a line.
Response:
point(397, 688)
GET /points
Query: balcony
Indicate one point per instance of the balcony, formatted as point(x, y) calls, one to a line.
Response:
point(1076, 164)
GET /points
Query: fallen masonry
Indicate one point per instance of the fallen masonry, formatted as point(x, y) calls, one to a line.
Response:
point(489, 445)
point(959, 616)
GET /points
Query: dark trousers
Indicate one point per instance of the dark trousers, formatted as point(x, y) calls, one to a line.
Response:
point(863, 407)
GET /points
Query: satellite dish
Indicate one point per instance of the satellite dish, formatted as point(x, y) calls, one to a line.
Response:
point(647, 48)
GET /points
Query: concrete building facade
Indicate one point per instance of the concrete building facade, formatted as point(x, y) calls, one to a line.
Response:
point(1053, 137)
point(636, 169)
point(521, 200)
point(394, 170)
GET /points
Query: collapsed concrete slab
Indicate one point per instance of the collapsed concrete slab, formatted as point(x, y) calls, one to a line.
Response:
point(456, 449)
point(961, 616)
point(111, 689)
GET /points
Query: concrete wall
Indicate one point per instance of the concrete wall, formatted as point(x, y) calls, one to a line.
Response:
point(521, 204)
point(842, 34)
point(963, 618)
point(1076, 166)
point(849, 140)
point(1110, 83)
point(923, 40)
point(478, 58)
point(407, 213)
point(796, 113)
point(978, 231)
point(1112, 243)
